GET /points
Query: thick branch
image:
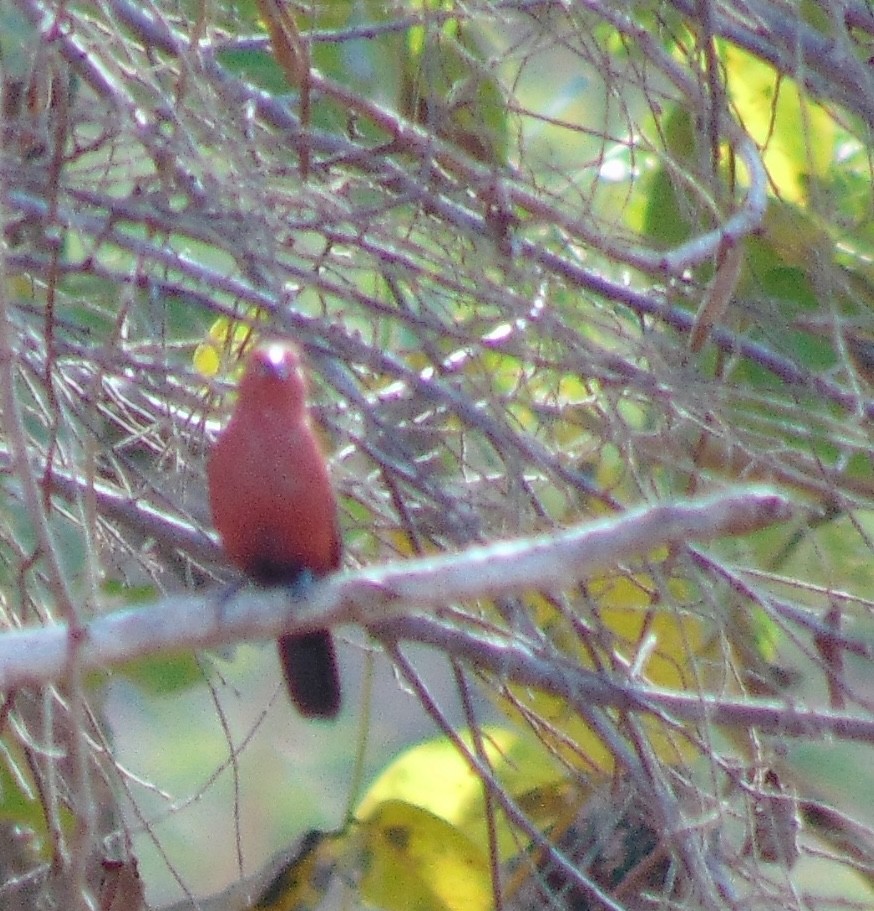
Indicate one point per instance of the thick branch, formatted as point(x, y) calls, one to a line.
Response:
point(391, 599)
point(373, 596)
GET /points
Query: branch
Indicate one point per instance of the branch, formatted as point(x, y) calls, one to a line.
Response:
point(390, 600)
point(36, 656)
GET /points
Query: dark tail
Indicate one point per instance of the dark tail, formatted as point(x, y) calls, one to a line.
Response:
point(309, 664)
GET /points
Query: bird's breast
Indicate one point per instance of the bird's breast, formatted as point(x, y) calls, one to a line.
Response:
point(273, 504)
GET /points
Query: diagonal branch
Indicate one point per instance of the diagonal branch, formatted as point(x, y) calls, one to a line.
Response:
point(397, 601)
point(383, 594)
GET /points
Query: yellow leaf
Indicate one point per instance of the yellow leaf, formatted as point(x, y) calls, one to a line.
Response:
point(412, 860)
point(206, 360)
point(225, 336)
point(666, 644)
point(796, 135)
point(301, 883)
point(519, 762)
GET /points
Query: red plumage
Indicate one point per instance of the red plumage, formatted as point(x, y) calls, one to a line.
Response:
point(274, 508)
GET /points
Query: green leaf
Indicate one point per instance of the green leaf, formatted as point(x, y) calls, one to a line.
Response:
point(450, 89)
point(668, 215)
point(257, 67)
point(163, 675)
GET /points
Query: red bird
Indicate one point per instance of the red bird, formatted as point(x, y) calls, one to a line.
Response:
point(273, 506)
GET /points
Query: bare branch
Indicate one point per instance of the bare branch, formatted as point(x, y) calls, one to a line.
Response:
point(370, 597)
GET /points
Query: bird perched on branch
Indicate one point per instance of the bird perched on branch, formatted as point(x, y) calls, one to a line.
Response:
point(275, 511)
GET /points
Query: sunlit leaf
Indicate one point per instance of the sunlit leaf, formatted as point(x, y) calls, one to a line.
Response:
point(519, 762)
point(414, 859)
point(795, 134)
point(225, 337)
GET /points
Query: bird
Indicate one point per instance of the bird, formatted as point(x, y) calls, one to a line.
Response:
point(275, 511)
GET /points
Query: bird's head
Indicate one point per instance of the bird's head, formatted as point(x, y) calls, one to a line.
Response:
point(274, 377)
